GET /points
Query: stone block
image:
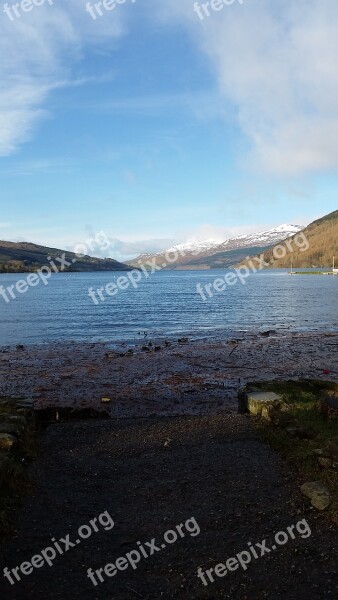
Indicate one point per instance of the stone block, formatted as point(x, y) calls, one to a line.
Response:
point(318, 494)
point(256, 401)
point(7, 441)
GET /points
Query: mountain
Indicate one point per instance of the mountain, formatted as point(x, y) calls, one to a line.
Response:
point(265, 238)
point(322, 242)
point(24, 257)
point(211, 254)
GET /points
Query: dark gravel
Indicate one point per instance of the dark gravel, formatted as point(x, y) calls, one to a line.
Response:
point(152, 474)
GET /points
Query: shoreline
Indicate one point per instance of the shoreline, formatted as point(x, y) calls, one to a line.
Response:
point(209, 336)
point(191, 377)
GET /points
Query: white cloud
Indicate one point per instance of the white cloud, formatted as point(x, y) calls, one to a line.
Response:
point(41, 48)
point(20, 112)
point(277, 64)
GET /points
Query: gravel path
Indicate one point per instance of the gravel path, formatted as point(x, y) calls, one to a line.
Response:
point(151, 475)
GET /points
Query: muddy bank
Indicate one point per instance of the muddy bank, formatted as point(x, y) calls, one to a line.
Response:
point(165, 378)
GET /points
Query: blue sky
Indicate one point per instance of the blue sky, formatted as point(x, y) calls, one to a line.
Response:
point(154, 126)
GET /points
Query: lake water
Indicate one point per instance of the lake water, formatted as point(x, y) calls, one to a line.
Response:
point(166, 305)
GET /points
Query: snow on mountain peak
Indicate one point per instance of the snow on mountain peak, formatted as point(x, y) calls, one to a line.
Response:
point(269, 237)
point(193, 245)
point(288, 228)
point(263, 238)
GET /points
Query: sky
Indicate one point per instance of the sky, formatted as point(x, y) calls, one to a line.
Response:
point(156, 122)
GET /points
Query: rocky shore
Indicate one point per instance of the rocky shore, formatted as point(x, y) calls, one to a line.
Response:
point(162, 377)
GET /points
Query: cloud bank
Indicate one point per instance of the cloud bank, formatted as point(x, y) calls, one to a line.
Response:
point(276, 62)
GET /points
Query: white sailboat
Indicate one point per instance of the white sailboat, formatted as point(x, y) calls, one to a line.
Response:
point(334, 271)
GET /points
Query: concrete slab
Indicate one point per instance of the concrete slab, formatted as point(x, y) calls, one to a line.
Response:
point(255, 401)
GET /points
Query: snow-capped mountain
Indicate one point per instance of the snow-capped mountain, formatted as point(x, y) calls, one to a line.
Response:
point(194, 245)
point(264, 238)
point(193, 253)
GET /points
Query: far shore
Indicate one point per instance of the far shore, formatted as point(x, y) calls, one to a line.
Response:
point(186, 268)
point(312, 273)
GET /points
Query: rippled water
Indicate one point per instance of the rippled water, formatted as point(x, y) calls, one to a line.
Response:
point(166, 304)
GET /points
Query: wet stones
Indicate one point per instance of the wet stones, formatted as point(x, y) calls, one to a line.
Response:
point(302, 433)
point(325, 462)
point(14, 417)
point(329, 407)
point(18, 420)
point(11, 428)
point(268, 333)
point(318, 494)
point(332, 449)
point(105, 400)
point(327, 457)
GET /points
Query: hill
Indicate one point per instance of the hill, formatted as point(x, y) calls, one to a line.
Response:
point(23, 257)
point(322, 237)
point(210, 254)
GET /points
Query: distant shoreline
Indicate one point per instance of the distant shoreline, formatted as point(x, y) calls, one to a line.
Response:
point(28, 272)
point(183, 270)
point(313, 273)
